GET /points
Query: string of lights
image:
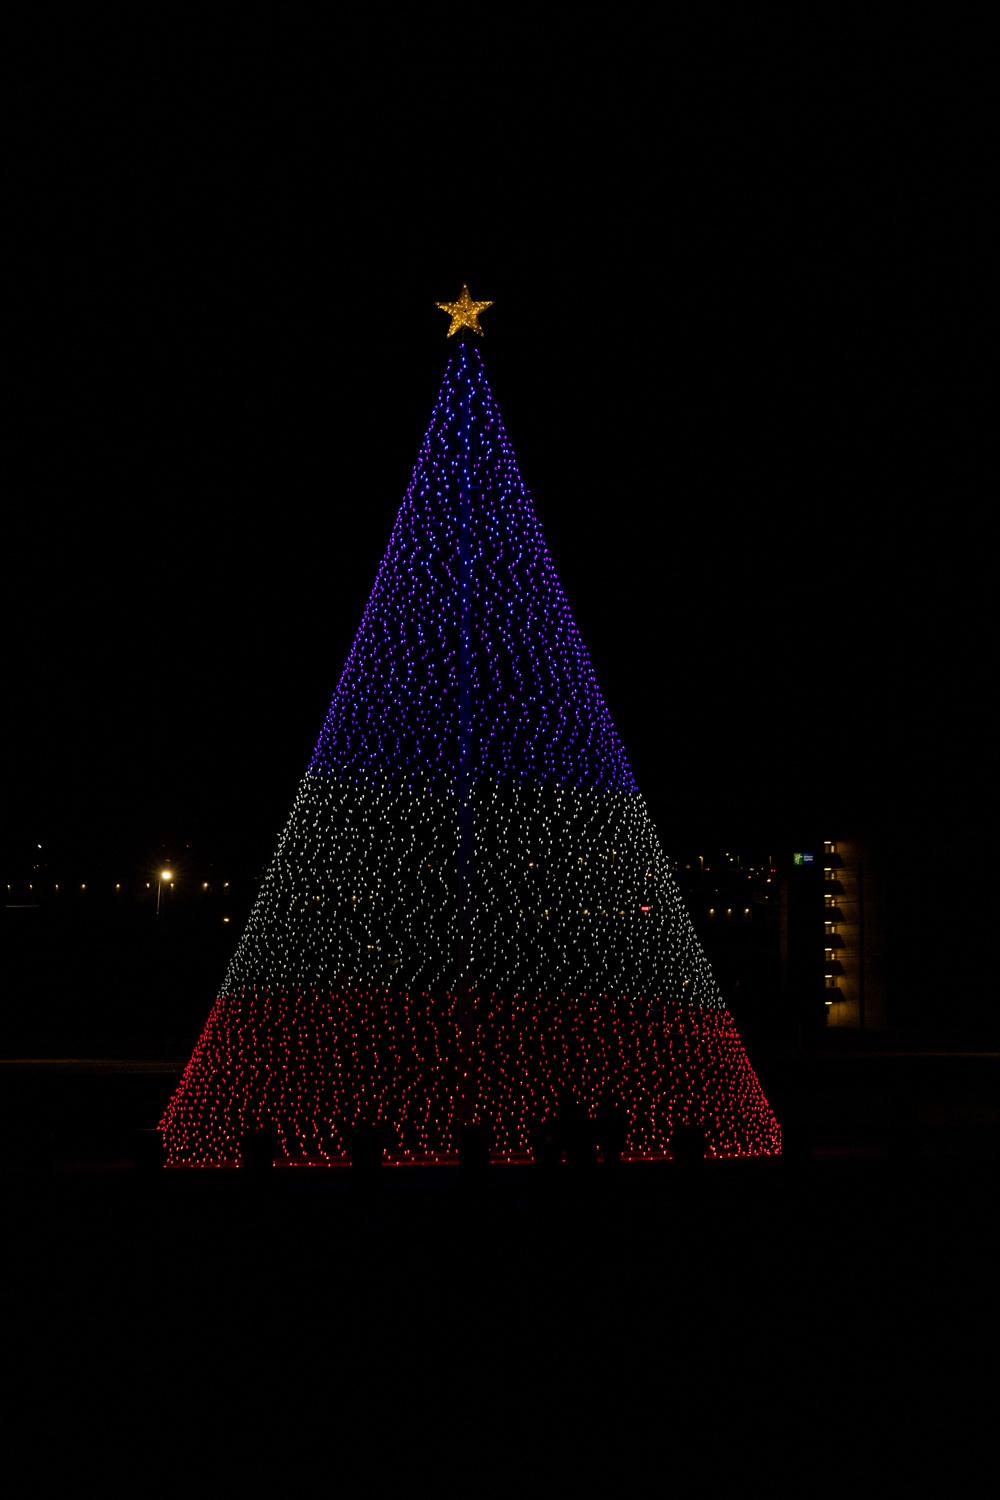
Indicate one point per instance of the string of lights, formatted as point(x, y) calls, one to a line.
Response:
point(469, 884)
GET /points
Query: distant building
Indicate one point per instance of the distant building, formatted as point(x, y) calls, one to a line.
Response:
point(853, 936)
point(796, 940)
point(833, 936)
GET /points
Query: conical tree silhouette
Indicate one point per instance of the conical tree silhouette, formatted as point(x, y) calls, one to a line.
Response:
point(469, 919)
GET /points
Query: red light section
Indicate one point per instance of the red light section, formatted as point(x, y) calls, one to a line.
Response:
point(318, 1065)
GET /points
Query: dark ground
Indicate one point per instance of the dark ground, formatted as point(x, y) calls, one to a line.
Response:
point(840, 1297)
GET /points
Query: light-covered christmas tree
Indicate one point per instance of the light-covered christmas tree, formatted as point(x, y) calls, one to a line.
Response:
point(469, 921)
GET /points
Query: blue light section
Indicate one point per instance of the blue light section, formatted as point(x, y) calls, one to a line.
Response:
point(537, 710)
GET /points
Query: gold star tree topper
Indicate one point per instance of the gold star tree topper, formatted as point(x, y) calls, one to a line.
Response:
point(464, 313)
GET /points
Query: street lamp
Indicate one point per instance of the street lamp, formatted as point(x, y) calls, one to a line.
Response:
point(165, 875)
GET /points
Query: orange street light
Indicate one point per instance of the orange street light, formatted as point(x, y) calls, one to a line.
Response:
point(165, 875)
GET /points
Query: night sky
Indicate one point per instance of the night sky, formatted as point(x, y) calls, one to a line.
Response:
point(719, 344)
